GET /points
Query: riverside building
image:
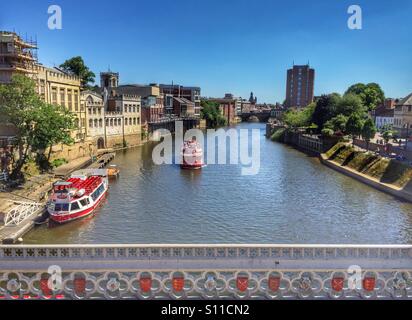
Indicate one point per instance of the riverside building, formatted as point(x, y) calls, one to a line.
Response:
point(299, 86)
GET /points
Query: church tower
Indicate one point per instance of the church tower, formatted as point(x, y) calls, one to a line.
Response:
point(109, 80)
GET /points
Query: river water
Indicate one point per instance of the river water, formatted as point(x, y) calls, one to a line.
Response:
point(293, 199)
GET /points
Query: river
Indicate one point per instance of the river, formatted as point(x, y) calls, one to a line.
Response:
point(293, 199)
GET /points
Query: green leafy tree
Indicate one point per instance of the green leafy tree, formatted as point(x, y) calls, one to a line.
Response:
point(325, 109)
point(327, 132)
point(212, 114)
point(371, 94)
point(354, 125)
point(299, 118)
point(337, 124)
point(386, 127)
point(387, 132)
point(53, 126)
point(37, 125)
point(368, 131)
point(18, 102)
point(350, 104)
point(77, 67)
point(387, 135)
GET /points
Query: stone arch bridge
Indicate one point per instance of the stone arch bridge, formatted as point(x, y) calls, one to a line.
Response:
point(261, 116)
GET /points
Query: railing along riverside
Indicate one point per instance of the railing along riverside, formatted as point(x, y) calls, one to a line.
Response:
point(206, 271)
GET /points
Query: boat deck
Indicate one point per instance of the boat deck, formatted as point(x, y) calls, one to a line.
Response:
point(89, 185)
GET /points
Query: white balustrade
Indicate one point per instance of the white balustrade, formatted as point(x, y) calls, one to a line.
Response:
point(207, 271)
point(20, 212)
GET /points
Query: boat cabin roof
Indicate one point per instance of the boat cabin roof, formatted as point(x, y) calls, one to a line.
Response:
point(63, 184)
point(89, 185)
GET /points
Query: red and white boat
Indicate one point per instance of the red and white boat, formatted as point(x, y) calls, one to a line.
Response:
point(78, 196)
point(192, 155)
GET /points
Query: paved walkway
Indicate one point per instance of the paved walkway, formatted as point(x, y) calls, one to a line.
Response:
point(73, 165)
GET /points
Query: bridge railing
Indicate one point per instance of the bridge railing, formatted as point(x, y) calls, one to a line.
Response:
point(206, 272)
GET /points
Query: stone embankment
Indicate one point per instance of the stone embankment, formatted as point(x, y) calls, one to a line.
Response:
point(387, 175)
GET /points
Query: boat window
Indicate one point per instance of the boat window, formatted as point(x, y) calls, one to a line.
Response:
point(84, 202)
point(95, 195)
point(61, 207)
point(75, 206)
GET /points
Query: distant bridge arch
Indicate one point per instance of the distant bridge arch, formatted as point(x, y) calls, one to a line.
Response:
point(251, 116)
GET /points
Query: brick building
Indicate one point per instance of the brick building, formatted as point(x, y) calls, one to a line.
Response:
point(177, 91)
point(227, 107)
point(299, 86)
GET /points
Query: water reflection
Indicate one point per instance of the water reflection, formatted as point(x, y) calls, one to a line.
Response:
point(293, 199)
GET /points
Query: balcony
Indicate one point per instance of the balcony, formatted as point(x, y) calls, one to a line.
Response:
point(206, 272)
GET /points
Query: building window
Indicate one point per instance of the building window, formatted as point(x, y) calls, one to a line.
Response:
point(54, 95)
point(69, 100)
point(62, 98)
point(76, 101)
point(100, 123)
point(91, 123)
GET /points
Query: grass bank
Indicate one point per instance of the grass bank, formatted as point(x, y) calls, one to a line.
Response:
point(278, 135)
point(384, 170)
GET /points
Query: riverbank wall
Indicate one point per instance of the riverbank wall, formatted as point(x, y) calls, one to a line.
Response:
point(392, 190)
point(385, 175)
point(301, 140)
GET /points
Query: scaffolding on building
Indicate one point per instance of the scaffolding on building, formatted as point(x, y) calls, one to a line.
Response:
point(17, 55)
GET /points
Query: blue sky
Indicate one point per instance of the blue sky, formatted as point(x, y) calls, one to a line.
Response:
point(235, 46)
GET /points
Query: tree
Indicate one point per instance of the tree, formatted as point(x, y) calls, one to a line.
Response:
point(368, 131)
point(299, 118)
point(350, 104)
point(327, 132)
point(211, 113)
point(37, 125)
point(325, 109)
point(386, 127)
point(371, 94)
point(77, 67)
point(53, 125)
point(337, 124)
point(387, 135)
point(354, 125)
point(18, 101)
point(387, 132)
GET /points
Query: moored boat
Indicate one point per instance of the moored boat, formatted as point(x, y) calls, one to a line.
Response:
point(192, 155)
point(78, 196)
point(113, 171)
